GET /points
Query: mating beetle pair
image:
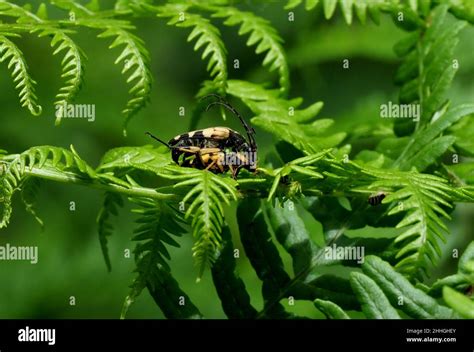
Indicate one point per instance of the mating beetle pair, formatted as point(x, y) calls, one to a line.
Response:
point(217, 149)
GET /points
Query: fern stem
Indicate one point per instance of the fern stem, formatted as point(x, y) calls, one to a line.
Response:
point(72, 178)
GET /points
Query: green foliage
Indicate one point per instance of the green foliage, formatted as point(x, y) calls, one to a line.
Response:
point(401, 293)
point(374, 303)
point(229, 286)
point(157, 223)
point(21, 77)
point(72, 67)
point(460, 303)
point(309, 194)
point(206, 35)
point(331, 310)
point(382, 292)
point(463, 279)
point(421, 198)
point(17, 167)
point(282, 118)
point(428, 66)
point(360, 7)
point(110, 207)
point(264, 36)
point(136, 61)
point(207, 194)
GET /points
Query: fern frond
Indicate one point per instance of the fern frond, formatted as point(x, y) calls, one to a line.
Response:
point(9, 178)
point(280, 117)
point(207, 36)
point(21, 77)
point(264, 36)
point(112, 202)
point(421, 198)
point(206, 194)
point(229, 286)
point(462, 9)
point(157, 223)
point(20, 13)
point(13, 171)
point(427, 144)
point(348, 7)
point(136, 60)
point(303, 166)
point(72, 63)
point(72, 67)
point(29, 191)
point(428, 66)
point(76, 7)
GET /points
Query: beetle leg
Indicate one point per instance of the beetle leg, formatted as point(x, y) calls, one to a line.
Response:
point(211, 164)
point(236, 171)
point(220, 166)
point(232, 170)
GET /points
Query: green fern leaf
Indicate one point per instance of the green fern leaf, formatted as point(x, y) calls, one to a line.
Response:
point(29, 190)
point(374, 303)
point(459, 302)
point(402, 294)
point(206, 193)
point(72, 68)
point(264, 36)
point(110, 207)
point(157, 223)
point(23, 82)
point(303, 170)
point(425, 146)
point(146, 158)
point(22, 14)
point(136, 62)
point(207, 36)
point(263, 254)
point(463, 279)
point(463, 130)
point(330, 309)
point(14, 170)
point(72, 63)
point(428, 67)
point(463, 9)
point(230, 288)
point(420, 197)
point(282, 118)
point(348, 7)
point(75, 7)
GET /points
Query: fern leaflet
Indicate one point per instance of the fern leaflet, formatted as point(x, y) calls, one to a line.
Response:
point(112, 202)
point(264, 36)
point(157, 223)
point(72, 68)
point(207, 36)
point(21, 77)
point(207, 192)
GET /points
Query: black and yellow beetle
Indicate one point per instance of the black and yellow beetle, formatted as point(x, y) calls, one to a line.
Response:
point(217, 149)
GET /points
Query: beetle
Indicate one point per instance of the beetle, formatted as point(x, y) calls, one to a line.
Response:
point(217, 149)
point(377, 198)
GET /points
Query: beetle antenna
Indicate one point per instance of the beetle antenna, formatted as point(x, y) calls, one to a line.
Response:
point(250, 131)
point(212, 95)
point(157, 139)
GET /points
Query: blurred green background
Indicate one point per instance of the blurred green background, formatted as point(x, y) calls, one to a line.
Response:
point(70, 259)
